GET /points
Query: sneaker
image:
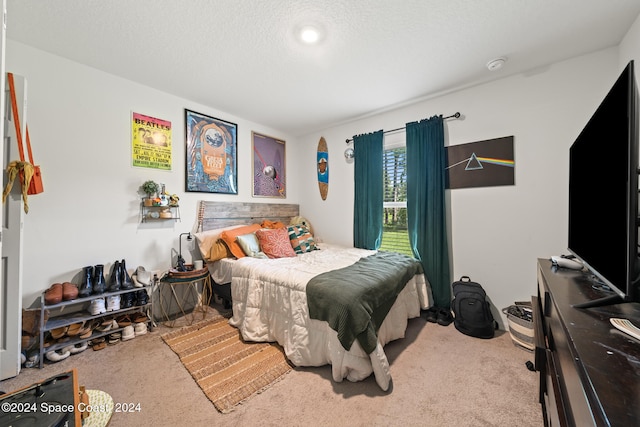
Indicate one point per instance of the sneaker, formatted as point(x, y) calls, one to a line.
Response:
point(97, 306)
point(140, 329)
point(444, 317)
point(128, 333)
point(75, 349)
point(113, 303)
point(55, 356)
point(432, 315)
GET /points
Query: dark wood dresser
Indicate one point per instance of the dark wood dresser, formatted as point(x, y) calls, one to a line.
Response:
point(589, 371)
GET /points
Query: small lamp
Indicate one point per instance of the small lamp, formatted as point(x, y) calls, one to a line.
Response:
point(180, 266)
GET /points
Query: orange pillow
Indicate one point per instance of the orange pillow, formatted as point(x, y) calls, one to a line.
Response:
point(275, 242)
point(229, 237)
point(272, 224)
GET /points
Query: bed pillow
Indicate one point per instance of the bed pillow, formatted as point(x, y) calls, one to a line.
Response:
point(301, 239)
point(230, 238)
point(250, 246)
point(275, 243)
point(210, 245)
point(272, 224)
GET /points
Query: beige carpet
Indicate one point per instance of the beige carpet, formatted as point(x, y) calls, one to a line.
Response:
point(440, 378)
point(227, 369)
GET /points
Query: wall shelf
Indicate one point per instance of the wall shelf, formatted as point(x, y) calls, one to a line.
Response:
point(159, 213)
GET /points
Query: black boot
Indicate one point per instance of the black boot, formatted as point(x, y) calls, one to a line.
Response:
point(127, 300)
point(126, 282)
point(99, 284)
point(114, 279)
point(142, 298)
point(86, 289)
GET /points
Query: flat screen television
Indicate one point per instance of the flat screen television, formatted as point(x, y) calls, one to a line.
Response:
point(603, 193)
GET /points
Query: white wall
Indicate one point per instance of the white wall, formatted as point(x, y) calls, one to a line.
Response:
point(497, 233)
point(79, 122)
point(630, 47)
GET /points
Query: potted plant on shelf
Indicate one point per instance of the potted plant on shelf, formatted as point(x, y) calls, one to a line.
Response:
point(150, 188)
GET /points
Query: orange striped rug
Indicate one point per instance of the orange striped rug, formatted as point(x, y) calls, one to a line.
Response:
point(227, 369)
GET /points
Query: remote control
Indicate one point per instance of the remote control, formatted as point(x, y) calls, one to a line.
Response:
point(566, 263)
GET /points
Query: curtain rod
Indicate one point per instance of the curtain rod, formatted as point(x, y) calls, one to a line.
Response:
point(453, 116)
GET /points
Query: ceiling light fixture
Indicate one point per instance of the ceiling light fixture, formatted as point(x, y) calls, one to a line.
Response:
point(309, 34)
point(496, 64)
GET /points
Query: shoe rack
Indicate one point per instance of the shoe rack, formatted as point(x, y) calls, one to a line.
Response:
point(66, 313)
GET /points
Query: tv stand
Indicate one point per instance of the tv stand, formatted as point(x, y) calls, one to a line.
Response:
point(601, 302)
point(588, 369)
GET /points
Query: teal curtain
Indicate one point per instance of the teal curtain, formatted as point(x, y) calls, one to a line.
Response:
point(426, 211)
point(368, 210)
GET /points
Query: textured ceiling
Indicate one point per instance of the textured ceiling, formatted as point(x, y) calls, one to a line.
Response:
point(242, 57)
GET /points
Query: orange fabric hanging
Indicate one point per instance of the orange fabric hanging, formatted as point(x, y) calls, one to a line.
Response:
point(30, 175)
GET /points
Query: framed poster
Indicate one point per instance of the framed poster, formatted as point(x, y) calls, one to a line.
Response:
point(211, 158)
point(150, 142)
point(269, 174)
point(481, 164)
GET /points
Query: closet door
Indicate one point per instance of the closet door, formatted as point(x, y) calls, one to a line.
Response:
point(11, 217)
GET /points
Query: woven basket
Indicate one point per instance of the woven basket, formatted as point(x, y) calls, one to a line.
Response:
point(520, 318)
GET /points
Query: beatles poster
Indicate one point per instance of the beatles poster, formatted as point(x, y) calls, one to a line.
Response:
point(151, 142)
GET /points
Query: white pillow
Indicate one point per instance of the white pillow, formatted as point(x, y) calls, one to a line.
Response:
point(250, 246)
point(209, 239)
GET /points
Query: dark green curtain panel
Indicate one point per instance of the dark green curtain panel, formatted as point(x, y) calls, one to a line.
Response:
point(367, 215)
point(426, 211)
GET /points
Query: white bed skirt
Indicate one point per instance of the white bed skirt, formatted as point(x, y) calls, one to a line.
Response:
point(272, 306)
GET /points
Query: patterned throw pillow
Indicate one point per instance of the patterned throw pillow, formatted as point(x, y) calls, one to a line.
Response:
point(301, 239)
point(275, 242)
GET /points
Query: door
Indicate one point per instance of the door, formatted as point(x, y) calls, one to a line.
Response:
point(11, 217)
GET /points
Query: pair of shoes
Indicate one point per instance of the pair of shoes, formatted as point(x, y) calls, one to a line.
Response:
point(123, 320)
point(142, 278)
point(97, 306)
point(140, 329)
point(113, 303)
point(74, 329)
point(140, 318)
point(114, 338)
point(75, 349)
point(32, 361)
point(56, 356)
point(86, 330)
point(128, 333)
point(58, 333)
point(444, 317)
point(432, 314)
point(107, 325)
point(98, 344)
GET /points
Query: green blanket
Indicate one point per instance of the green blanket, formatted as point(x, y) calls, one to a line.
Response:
point(355, 300)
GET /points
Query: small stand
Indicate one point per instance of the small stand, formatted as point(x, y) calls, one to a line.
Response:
point(184, 293)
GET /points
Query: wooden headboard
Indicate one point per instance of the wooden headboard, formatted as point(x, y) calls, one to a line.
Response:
point(213, 215)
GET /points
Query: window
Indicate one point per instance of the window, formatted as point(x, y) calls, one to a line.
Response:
point(395, 236)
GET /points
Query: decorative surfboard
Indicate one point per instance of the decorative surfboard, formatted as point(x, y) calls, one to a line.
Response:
point(323, 168)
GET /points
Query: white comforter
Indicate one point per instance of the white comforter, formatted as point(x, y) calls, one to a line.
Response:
point(270, 304)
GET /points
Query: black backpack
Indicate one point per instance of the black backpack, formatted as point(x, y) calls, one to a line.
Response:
point(471, 309)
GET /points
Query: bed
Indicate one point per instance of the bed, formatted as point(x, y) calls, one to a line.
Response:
point(303, 301)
